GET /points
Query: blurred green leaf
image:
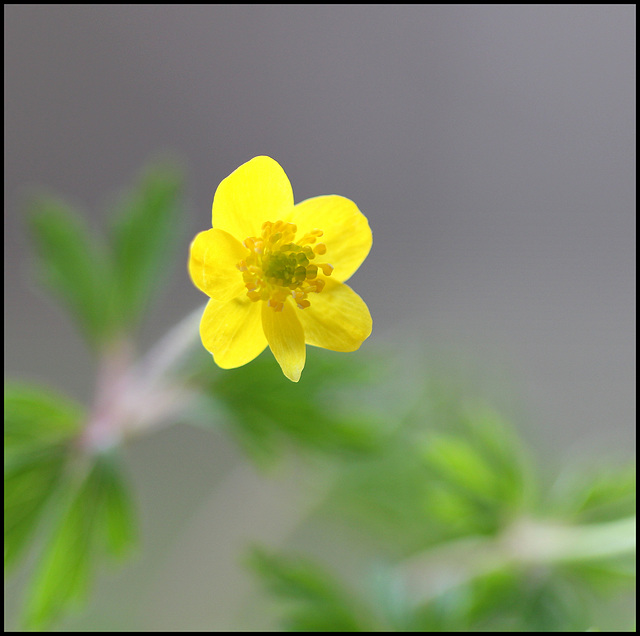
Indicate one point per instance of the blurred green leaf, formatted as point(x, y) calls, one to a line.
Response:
point(534, 600)
point(504, 452)
point(34, 416)
point(142, 236)
point(597, 493)
point(96, 518)
point(605, 575)
point(73, 265)
point(478, 472)
point(39, 425)
point(459, 463)
point(29, 483)
point(462, 474)
point(515, 600)
point(62, 576)
point(385, 496)
point(316, 602)
point(266, 412)
point(117, 511)
point(41, 474)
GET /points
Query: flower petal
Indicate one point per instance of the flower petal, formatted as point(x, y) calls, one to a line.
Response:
point(213, 257)
point(232, 331)
point(257, 191)
point(286, 339)
point(338, 319)
point(346, 231)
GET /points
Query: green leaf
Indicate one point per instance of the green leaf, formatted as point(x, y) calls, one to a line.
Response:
point(606, 575)
point(503, 451)
point(142, 237)
point(28, 486)
point(317, 602)
point(118, 519)
point(267, 413)
point(598, 493)
point(458, 462)
point(96, 518)
point(63, 574)
point(461, 474)
point(478, 473)
point(73, 265)
point(385, 496)
point(39, 426)
point(34, 416)
point(504, 601)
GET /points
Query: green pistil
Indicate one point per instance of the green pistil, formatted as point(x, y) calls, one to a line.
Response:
point(288, 266)
point(281, 267)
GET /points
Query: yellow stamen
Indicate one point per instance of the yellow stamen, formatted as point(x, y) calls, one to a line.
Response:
point(278, 267)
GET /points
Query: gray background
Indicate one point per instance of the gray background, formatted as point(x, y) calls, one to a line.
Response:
point(491, 147)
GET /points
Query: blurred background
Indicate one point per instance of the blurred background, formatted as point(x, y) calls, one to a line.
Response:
point(492, 149)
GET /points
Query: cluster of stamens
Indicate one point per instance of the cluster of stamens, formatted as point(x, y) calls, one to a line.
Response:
point(278, 267)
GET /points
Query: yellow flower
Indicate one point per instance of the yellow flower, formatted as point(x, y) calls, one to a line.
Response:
point(275, 271)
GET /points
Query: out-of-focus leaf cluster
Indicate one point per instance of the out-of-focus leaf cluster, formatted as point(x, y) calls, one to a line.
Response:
point(72, 509)
point(598, 492)
point(69, 506)
point(318, 602)
point(452, 483)
point(461, 473)
point(107, 285)
point(311, 599)
point(38, 429)
point(267, 414)
point(506, 601)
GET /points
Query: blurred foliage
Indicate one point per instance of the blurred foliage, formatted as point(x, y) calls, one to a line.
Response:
point(95, 518)
point(38, 428)
point(430, 492)
point(78, 506)
point(143, 237)
point(597, 492)
point(506, 601)
point(277, 415)
point(318, 602)
point(443, 501)
point(467, 474)
point(67, 505)
point(312, 600)
point(74, 266)
point(106, 285)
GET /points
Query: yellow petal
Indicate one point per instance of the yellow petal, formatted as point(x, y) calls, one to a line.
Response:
point(338, 319)
point(286, 339)
point(347, 234)
point(232, 331)
point(257, 191)
point(213, 258)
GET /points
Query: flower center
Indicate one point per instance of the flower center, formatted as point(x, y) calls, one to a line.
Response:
point(278, 267)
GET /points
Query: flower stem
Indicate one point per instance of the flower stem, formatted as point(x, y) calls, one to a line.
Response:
point(525, 543)
point(133, 397)
point(170, 350)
